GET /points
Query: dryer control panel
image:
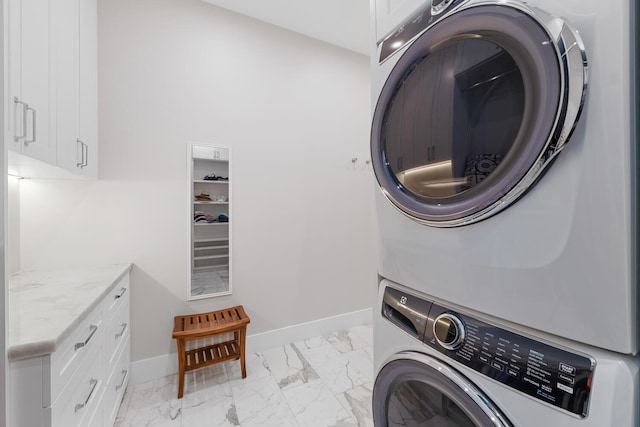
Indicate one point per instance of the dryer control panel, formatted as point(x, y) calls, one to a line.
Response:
point(415, 26)
point(545, 372)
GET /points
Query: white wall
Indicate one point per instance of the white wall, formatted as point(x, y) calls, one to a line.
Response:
point(295, 112)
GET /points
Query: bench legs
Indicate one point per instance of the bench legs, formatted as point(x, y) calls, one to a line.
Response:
point(220, 353)
point(241, 339)
point(181, 363)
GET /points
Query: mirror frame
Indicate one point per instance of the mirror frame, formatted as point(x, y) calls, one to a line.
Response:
point(191, 184)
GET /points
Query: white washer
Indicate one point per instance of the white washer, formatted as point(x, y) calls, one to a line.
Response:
point(492, 376)
point(506, 186)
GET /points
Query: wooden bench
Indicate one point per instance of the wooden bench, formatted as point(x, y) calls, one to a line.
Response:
point(206, 325)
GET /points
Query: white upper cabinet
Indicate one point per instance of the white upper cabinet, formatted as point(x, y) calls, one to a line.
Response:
point(391, 13)
point(30, 102)
point(75, 24)
point(53, 102)
point(88, 87)
point(65, 26)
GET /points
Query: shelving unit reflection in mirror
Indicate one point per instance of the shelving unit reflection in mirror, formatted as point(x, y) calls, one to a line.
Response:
point(210, 220)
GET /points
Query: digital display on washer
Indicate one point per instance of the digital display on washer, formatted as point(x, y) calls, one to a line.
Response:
point(558, 377)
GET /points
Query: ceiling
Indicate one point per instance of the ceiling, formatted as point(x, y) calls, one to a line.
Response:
point(344, 23)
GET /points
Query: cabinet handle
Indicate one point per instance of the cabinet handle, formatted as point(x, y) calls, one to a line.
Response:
point(124, 377)
point(93, 383)
point(84, 154)
point(122, 292)
point(33, 125)
point(79, 164)
point(79, 345)
point(17, 103)
point(121, 333)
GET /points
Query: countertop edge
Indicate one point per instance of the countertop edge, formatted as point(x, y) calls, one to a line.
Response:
point(31, 350)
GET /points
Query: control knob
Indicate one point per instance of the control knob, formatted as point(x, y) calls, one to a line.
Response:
point(449, 331)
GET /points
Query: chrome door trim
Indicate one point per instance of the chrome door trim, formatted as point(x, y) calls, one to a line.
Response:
point(478, 397)
point(572, 59)
point(573, 69)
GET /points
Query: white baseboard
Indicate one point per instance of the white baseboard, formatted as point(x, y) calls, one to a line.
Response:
point(161, 366)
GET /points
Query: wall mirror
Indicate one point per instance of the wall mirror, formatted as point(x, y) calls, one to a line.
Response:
point(209, 172)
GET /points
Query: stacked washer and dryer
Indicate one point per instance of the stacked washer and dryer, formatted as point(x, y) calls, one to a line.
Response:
point(504, 143)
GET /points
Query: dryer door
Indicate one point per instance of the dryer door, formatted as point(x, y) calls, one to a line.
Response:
point(414, 389)
point(476, 107)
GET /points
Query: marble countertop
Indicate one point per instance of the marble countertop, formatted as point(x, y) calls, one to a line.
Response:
point(46, 305)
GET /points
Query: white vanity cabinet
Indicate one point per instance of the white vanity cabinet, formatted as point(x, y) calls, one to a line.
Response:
point(53, 92)
point(391, 13)
point(117, 345)
point(82, 381)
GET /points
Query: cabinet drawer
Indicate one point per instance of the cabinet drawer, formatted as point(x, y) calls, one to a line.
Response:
point(96, 419)
point(82, 395)
point(117, 333)
point(65, 361)
point(116, 385)
point(118, 296)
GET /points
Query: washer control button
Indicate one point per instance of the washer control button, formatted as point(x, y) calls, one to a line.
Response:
point(449, 331)
point(497, 366)
point(567, 369)
point(513, 372)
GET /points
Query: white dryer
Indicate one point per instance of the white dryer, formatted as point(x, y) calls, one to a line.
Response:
point(506, 186)
point(438, 366)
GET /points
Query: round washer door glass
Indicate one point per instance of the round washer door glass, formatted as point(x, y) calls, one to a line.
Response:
point(420, 391)
point(474, 110)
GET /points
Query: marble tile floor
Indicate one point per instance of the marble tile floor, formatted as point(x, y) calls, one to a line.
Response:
point(209, 281)
point(319, 382)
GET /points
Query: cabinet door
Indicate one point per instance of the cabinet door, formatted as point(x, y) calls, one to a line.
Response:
point(14, 125)
point(391, 13)
point(36, 77)
point(75, 28)
point(88, 86)
point(65, 25)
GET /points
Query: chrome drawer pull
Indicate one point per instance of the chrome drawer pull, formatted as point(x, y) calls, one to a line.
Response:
point(121, 333)
point(124, 377)
point(24, 105)
point(33, 126)
point(93, 382)
point(83, 150)
point(122, 292)
point(79, 345)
